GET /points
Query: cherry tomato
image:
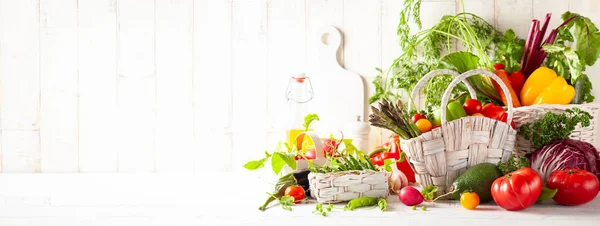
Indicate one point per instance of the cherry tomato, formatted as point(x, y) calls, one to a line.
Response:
point(418, 116)
point(472, 106)
point(295, 191)
point(424, 125)
point(517, 190)
point(498, 66)
point(477, 114)
point(575, 186)
point(469, 200)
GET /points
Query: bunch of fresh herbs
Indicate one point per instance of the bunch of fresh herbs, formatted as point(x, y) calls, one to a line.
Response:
point(554, 126)
point(422, 52)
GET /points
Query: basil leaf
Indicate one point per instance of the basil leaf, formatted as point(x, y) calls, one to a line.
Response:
point(256, 164)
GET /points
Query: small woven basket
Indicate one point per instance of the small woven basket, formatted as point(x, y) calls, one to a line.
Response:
point(441, 155)
point(343, 186)
point(530, 114)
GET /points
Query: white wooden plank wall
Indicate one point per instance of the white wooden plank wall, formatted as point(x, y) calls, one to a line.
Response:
point(187, 85)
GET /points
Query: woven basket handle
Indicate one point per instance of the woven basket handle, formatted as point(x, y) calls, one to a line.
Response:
point(423, 82)
point(320, 153)
point(470, 73)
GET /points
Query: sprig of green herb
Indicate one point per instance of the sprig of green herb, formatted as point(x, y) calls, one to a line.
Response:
point(286, 202)
point(308, 119)
point(554, 126)
point(513, 164)
point(319, 209)
point(429, 192)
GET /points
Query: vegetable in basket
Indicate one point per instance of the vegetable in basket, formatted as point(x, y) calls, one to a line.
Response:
point(544, 87)
point(570, 63)
point(554, 126)
point(394, 118)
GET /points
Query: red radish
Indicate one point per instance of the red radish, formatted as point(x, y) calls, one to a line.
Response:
point(410, 196)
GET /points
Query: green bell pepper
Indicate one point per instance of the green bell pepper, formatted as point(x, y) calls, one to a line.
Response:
point(455, 111)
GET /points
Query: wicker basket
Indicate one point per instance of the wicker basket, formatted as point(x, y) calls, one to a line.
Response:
point(441, 155)
point(343, 186)
point(529, 114)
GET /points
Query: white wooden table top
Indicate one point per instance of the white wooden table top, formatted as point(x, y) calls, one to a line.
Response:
point(226, 199)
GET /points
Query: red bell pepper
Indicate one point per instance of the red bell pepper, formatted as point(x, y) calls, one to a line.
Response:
point(403, 166)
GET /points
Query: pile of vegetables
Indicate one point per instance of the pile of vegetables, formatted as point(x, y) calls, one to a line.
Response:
point(535, 69)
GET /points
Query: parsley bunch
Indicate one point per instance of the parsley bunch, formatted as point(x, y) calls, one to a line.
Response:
point(554, 126)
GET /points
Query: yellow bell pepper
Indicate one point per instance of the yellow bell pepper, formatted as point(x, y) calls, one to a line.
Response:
point(558, 92)
point(535, 84)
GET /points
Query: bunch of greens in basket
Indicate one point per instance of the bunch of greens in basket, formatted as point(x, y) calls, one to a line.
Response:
point(395, 118)
point(343, 163)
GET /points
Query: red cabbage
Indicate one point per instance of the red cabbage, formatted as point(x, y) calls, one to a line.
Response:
point(568, 153)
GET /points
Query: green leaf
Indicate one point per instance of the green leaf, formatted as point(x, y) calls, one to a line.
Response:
point(308, 119)
point(587, 39)
point(546, 194)
point(429, 192)
point(256, 164)
point(460, 61)
point(553, 48)
point(279, 160)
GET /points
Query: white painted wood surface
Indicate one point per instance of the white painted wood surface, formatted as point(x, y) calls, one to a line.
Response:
point(186, 199)
point(157, 86)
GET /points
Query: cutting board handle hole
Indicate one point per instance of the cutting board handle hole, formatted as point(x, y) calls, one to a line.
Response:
point(330, 37)
point(325, 39)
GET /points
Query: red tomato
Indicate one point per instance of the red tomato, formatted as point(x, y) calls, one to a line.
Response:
point(517, 190)
point(472, 106)
point(492, 111)
point(575, 186)
point(498, 66)
point(418, 116)
point(504, 117)
point(295, 191)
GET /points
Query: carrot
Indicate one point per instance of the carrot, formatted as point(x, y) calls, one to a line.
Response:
point(504, 76)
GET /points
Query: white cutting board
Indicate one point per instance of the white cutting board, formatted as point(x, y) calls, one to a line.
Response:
point(338, 93)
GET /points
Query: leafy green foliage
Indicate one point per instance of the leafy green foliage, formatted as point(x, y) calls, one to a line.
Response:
point(319, 209)
point(571, 63)
point(513, 164)
point(422, 50)
point(286, 202)
point(509, 51)
point(587, 37)
point(308, 119)
point(279, 160)
point(429, 192)
point(554, 126)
